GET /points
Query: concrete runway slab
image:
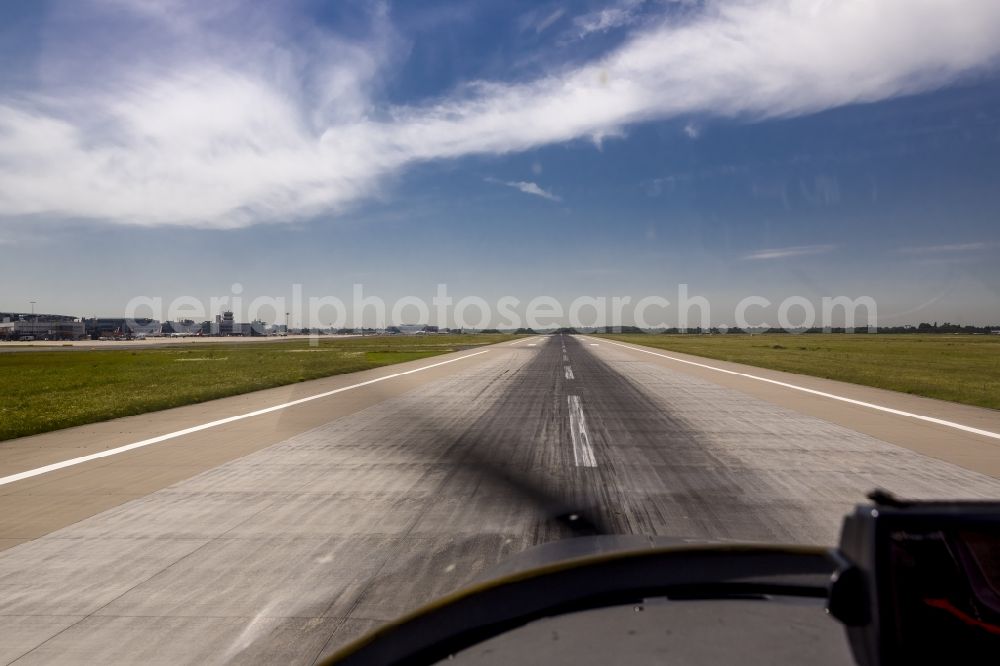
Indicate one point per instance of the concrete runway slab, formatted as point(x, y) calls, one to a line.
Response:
point(975, 452)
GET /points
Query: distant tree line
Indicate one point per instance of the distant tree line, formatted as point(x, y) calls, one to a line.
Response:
point(923, 328)
point(945, 328)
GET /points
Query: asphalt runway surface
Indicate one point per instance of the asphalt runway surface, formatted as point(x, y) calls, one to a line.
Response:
point(280, 537)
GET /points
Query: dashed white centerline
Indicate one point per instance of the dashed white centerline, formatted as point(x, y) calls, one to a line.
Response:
point(583, 454)
point(213, 424)
point(832, 396)
point(565, 358)
point(569, 372)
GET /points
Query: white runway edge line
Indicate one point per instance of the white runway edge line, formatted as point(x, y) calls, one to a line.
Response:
point(860, 403)
point(583, 454)
point(212, 424)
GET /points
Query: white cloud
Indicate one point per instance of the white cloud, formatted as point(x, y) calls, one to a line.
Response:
point(538, 20)
point(549, 20)
point(784, 252)
point(602, 20)
point(532, 188)
point(527, 187)
point(236, 131)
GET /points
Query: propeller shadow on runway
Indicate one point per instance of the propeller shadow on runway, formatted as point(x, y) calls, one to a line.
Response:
point(471, 467)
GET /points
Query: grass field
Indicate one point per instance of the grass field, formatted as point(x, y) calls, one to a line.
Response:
point(48, 390)
point(960, 368)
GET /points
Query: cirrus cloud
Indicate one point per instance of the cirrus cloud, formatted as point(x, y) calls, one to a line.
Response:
point(945, 249)
point(785, 252)
point(527, 187)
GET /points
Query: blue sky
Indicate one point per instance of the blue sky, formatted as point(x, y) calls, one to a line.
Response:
point(779, 147)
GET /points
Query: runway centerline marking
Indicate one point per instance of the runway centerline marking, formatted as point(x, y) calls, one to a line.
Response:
point(824, 394)
point(213, 424)
point(583, 454)
point(569, 372)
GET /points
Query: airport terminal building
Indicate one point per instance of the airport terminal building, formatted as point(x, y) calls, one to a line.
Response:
point(120, 327)
point(26, 327)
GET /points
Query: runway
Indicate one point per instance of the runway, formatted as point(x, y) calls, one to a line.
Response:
point(279, 537)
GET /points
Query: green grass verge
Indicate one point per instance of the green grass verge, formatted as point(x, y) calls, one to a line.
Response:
point(959, 368)
point(49, 390)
